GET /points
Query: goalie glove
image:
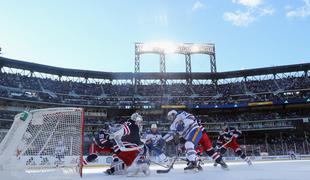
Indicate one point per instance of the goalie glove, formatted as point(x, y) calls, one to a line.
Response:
point(91, 157)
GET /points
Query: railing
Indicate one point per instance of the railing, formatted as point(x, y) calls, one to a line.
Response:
point(267, 149)
point(256, 125)
point(130, 98)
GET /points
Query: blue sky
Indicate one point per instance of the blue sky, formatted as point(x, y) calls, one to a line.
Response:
point(100, 34)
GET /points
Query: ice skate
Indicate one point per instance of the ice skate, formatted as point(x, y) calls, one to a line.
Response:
point(223, 164)
point(248, 161)
point(192, 166)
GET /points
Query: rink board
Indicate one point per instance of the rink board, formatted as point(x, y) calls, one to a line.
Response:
point(104, 161)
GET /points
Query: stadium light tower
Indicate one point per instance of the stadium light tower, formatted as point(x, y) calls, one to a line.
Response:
point(163, 48)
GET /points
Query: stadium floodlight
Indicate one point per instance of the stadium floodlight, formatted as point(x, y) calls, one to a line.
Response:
point(163, 48)
point(177, 48)
point(157, 47)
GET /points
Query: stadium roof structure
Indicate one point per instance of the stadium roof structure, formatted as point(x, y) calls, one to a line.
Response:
point(34, 67)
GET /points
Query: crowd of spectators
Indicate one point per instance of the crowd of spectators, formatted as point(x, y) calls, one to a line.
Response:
point(8, 115)
point(277, 144)
point(61, 91)
point(262, 145)
point(30, 88)
point(237, 116)
point(6, 119)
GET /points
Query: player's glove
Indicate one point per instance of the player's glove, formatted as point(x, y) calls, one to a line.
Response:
point(217, 147)
point(180, 126)
point(161, 142)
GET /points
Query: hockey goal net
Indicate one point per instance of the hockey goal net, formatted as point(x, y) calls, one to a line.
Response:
point(44, 140)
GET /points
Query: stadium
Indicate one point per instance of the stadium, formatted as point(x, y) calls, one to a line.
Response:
point(64, 117)
point(270, 105)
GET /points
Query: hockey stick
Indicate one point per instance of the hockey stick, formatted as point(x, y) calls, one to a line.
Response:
point(159, 164)
point(226, 143)
point(162, 171)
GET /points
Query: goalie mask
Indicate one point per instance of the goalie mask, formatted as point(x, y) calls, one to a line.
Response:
point(137, 118)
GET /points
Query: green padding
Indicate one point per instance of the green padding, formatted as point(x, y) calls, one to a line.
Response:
point(24, 116)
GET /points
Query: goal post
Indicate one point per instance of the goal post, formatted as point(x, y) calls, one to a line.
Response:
point(45, 140)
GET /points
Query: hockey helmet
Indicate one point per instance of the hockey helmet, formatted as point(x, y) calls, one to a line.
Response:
point(136, 117)
point(171, 115)
point(153, 126)
point(225, 125)
point(138, 120)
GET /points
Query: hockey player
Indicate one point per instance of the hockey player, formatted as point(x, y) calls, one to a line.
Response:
point(155, 144)
point(129, 150)
point(228, 139)
point(187, 126)
point(292, 155)
point(101, 144)
point(60, 150)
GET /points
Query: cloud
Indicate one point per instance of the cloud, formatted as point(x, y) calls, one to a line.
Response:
point(266, 11)
point(198, 5)
point(253, 10)
point(303, 11)
point(239, 18)
point(248, 3)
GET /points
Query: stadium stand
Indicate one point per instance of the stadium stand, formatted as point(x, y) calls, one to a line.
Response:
point(272, 102)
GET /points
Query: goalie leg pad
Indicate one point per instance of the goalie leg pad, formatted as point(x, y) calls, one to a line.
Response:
point(140, 165)
point(118, 167)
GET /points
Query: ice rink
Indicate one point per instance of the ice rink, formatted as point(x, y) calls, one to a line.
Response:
point(263, 170)
point(268, 170)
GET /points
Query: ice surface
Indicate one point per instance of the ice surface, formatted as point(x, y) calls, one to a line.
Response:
point(267, 170)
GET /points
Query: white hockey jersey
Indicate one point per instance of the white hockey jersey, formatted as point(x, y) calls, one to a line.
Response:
point(184, 123)
point(154, 137)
